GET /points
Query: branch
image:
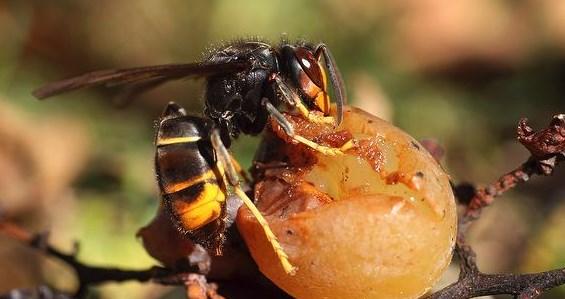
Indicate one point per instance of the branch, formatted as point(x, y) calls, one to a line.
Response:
point(473, 283)
point(89, 275)
point(522, 285)
point(547, 149)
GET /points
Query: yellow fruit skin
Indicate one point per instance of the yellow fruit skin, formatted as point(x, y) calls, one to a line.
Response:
point(387, 232)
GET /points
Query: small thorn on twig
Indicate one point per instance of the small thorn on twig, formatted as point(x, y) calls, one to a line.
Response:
point(76, 248)
point(41, 241)
point(524, 131)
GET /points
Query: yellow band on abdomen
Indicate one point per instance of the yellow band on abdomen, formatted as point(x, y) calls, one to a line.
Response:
point(175, 140)
point(201, 210)
point(170, 188)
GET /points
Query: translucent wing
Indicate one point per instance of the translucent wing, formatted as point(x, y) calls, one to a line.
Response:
point(144, 78)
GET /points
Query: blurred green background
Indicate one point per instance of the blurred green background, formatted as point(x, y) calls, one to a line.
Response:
point(462, 72)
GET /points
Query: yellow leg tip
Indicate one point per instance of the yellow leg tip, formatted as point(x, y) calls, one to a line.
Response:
point(348, 145)
point(277, 248)
point(289, 268)
point(326, 150)
point(319, 119)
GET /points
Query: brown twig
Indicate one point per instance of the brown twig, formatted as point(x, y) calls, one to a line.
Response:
point(88, 275)
point(547, 148)
point(241, 285)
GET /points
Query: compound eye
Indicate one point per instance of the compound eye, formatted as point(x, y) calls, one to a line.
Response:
point(311, 67)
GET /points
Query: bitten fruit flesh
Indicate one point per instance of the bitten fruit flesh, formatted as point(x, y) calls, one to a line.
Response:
point(376, 222)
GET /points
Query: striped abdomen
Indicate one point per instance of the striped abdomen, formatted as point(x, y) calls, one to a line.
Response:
point(188, 178)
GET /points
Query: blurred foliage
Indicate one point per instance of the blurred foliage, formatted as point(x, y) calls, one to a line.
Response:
point(462, 72)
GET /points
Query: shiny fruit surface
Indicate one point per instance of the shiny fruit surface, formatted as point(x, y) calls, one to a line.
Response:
point(376, 222)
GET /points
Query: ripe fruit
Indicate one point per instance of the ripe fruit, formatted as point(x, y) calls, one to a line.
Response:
point(377, 222)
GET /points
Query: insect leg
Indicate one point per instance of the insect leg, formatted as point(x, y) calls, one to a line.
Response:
point(228, 170)
point(292, 98)
point(240, 170)
point(287, 127)
point(335, 78)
